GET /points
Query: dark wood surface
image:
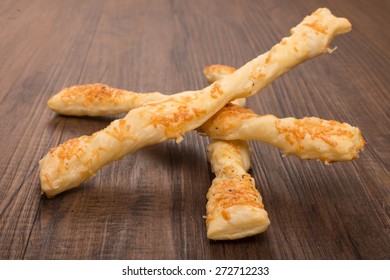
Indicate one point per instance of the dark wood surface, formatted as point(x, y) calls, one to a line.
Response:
point(150, 204)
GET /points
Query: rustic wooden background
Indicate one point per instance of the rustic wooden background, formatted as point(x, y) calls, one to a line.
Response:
point(150, 204)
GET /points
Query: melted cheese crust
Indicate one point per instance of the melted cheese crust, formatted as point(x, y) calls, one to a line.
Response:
point(103, 100)
point(99, 100)
point(307, 138)
point(234, 208)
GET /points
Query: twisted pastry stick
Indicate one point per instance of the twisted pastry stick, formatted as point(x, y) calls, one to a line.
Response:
point(76, 160)
point(102, 100)
point(234, 208)
point(307, 138)
point(99, 100)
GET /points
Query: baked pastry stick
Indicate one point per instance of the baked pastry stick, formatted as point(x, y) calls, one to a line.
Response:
point(234, 208)
point(77, 160)
point(307, 138)
point(102, 100)
point(99, 100)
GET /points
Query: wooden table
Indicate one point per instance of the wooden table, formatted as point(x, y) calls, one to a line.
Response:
point(150, 205)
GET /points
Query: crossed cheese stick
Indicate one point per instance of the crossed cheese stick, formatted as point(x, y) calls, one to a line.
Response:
point(234, 208)
point(76, 160)
point(102, 100)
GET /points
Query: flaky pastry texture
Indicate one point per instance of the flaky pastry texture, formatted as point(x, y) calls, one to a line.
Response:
point(307, 138)
point(234, 208)
point(102, 100)
point(99, 100)
point(76, 160)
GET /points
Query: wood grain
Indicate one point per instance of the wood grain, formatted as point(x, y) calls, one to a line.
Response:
point(150, 205)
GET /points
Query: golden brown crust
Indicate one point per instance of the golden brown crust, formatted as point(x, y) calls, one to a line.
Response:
point(234, 208)
point(99, 100)
point(94, 94)
point(234, 191)
point(307, 138)
point(316, 128)
point(103, 100)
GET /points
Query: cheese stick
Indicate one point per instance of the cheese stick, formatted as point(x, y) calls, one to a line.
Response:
point(307, 138)
point(76, 160)
point(234, 208)
point(102, 100)
point(99, 100)
point(227, 218)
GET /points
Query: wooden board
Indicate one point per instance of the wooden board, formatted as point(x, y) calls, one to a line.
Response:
point(150, 205)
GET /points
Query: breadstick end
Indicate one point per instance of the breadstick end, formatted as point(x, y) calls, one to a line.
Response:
point(217, 72)
point(236, 222)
